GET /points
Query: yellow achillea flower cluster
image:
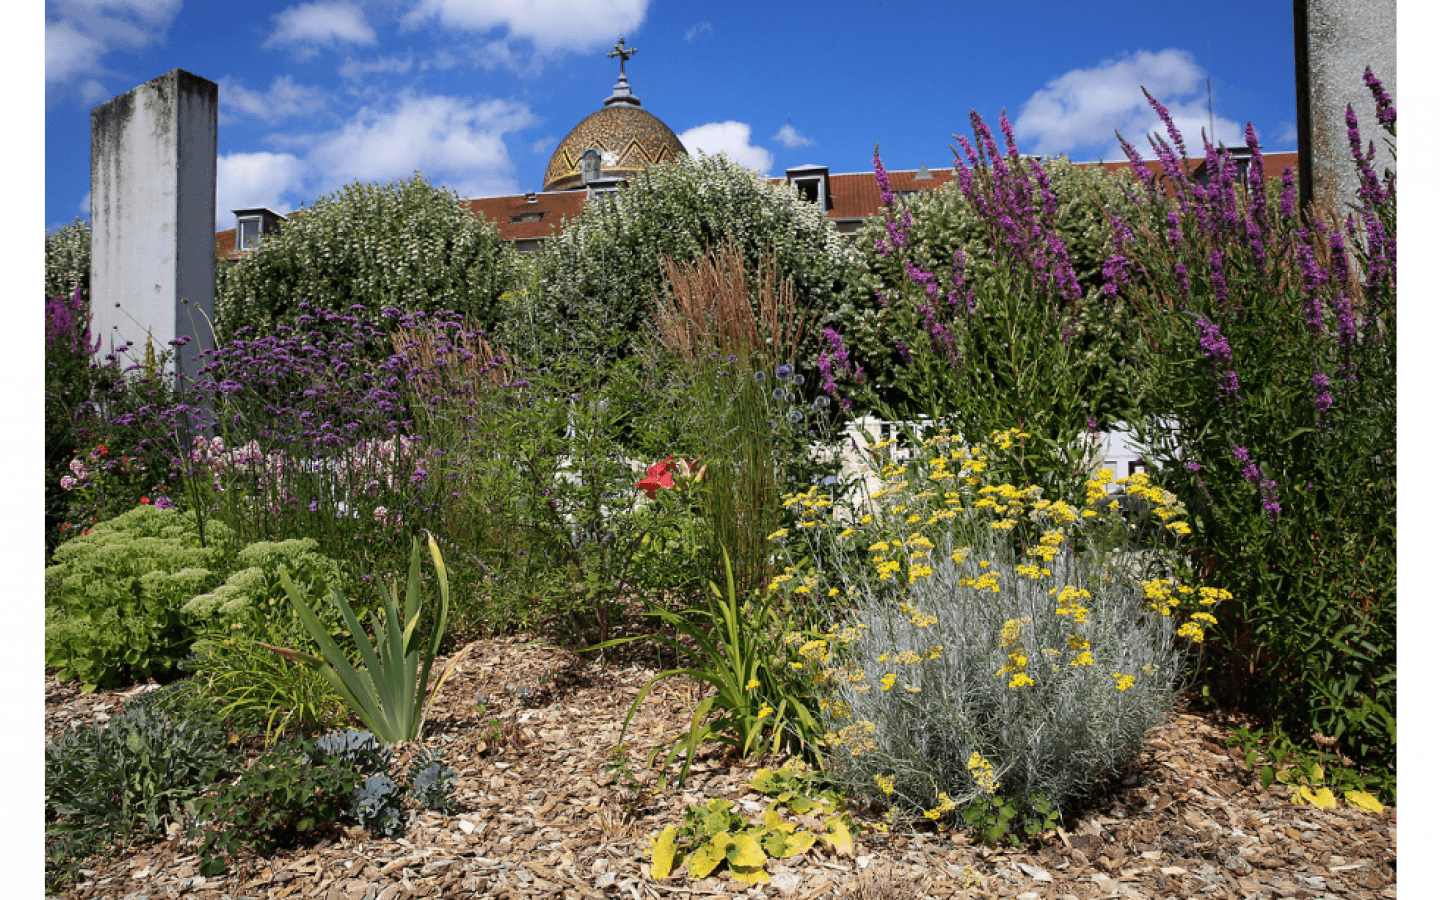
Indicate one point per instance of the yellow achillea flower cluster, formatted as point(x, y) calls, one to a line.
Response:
point(887, 681)
point(987, 582)
point(1124, 682)
point(1010, 632)
point(886, 783)
point(1032, 572)
point(855, 737)
point(945, 806)
point(1066, 602)
point(982, 772)
point(1165, 595)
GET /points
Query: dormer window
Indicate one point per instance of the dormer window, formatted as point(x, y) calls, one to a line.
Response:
point(247, 233)
point(530, 216)
point(252, 224)
point(811, 184)
point(590, 166)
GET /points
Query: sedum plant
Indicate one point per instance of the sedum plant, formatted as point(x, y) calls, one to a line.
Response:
point(115, 596)
point(994, 648)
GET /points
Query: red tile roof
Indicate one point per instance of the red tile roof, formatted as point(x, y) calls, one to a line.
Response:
point(530, 216)
point(853, 195)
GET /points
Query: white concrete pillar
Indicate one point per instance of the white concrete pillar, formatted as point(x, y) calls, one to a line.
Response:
point(1335, 40)
point(152, 217)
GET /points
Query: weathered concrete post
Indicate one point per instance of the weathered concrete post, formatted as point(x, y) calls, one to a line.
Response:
point(1334, 41)
point(152, 217)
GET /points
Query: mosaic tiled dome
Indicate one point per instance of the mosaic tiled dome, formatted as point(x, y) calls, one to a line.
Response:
point(628, 138)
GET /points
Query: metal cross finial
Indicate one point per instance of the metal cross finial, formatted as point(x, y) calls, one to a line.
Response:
point(624, 54)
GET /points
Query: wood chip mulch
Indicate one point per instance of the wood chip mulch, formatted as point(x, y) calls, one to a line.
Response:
point(541, 816)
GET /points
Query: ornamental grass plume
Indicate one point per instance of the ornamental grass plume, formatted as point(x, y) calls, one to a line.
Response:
point(992, 642)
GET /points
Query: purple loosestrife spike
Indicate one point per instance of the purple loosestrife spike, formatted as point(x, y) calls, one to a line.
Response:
point(1137, 165)
point(1339, 260)
point(1384, 108)
point(882, 180)
point(1217, 280)
point(1184, 276)
point(1171, 165)
point(1164, 114)
point(1370, 191)
point(1011, 150)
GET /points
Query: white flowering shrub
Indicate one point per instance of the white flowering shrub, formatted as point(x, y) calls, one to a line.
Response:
point(990, 647)
point(596, 284)
point(406, 244)
point(67, 260)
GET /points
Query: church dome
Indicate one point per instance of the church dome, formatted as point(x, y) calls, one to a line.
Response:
point(626, 138)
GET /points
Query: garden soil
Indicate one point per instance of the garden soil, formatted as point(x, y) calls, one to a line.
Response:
point(541, 815)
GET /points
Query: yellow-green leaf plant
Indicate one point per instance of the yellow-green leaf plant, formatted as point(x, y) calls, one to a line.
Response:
point(387, 690)
point(714, 834)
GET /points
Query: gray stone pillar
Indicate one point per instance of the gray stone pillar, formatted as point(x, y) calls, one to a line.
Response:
point(152, 217)
point(1334, 42)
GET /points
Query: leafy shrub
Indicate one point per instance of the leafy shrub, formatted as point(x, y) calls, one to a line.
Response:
point(69, 380)
point(406, 244)
point(1271, 402)
point(432, 783)
point(274, 803)
point(115, 596)
point(956, 235)
point(994, 646)
point(67, 260)
point(598, 281)
point(104, 781)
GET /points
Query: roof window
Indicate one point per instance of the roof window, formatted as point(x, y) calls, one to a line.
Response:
point(811, 184)
point(252, 224)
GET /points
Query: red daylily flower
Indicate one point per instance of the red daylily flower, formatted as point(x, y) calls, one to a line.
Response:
point(145, 500)
point(657, 477)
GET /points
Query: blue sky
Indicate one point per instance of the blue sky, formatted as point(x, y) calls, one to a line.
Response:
point(477, 93)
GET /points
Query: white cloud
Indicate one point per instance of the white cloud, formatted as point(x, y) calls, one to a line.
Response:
point(452, 140)
point(284, 100)
point(555, 25)
point(84, 205)
point(1079, 112)
point(543, 145)
point(1288, 137)
point(249, 180)
point(791, 138)
point(731, 139)
point(455, 141)
point(79, 33)
point(699, 28)
point(326, 23)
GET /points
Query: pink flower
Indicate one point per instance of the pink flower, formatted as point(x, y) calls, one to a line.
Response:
point(67, 482)
point(380, 513)
point(657, 477)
